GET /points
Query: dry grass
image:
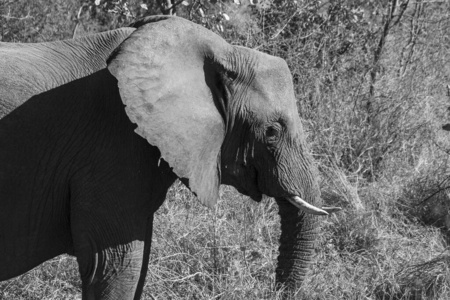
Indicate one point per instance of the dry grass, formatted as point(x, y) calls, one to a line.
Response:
point(231, 254)
point(55, 279)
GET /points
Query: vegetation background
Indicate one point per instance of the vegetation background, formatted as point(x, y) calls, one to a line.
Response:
point(371, 79)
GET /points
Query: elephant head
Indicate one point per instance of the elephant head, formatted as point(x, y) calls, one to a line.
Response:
point(223, 114)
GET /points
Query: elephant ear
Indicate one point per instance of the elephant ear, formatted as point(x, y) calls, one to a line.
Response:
point(164, 77)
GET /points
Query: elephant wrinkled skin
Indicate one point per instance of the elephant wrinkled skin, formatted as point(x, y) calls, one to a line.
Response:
point(75, 177)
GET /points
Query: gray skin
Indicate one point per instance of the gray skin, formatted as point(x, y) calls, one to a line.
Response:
point(75, 177)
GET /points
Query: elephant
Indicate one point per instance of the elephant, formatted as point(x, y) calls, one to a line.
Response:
point(95, 130)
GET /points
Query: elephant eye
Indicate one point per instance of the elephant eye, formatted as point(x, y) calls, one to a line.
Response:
point(231, 75)
point(272, 133)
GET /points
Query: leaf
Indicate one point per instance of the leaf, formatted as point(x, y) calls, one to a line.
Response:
point(144, 6)
point(237, 2)
point(97, 2)
point(185, 3)
point(201, 12)
point(226, 17)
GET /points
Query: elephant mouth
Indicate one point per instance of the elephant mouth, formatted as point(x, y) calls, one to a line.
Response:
point(256, 197)
point(256, 194)
point(297, 201)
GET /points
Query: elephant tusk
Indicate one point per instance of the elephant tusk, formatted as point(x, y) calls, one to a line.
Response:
point(311, 209)
point(331, 210)
point(306, 207)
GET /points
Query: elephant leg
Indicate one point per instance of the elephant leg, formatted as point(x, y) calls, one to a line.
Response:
point(113, 270)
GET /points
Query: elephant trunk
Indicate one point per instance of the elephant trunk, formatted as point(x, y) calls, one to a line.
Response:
point(299, 231)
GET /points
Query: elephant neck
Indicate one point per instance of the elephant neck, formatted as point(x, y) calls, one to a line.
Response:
point(45, 66)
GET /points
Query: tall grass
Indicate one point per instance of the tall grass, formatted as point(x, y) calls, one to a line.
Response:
point(231, 253)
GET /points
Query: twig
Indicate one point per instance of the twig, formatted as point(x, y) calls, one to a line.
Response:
point(9, 17)
point(432, 195)
point(282, 28)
